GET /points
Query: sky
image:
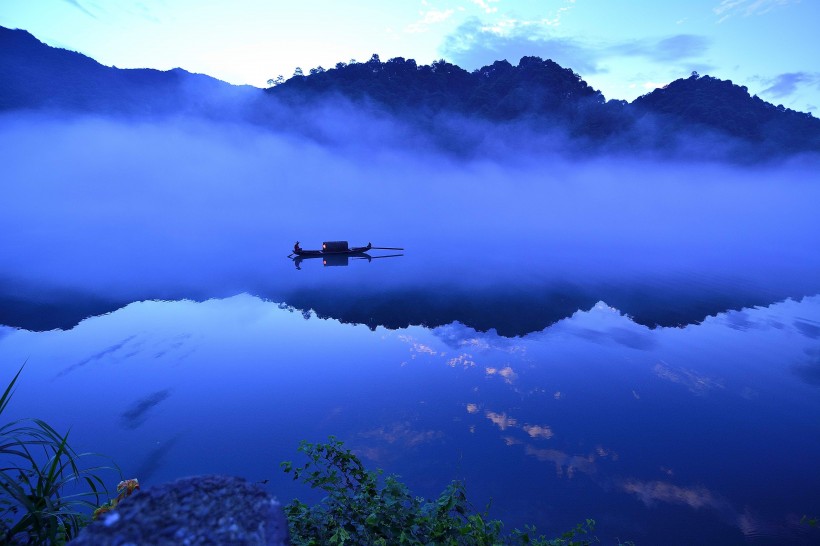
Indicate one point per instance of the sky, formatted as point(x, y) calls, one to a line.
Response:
point(624, 48)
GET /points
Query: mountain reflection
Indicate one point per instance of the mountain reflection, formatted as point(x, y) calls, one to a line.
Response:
point(607, 414)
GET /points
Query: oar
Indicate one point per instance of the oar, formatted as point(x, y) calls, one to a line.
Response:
point(376, 257)
point(385, 248)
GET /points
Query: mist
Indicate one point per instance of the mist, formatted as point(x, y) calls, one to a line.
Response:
point(189, 208)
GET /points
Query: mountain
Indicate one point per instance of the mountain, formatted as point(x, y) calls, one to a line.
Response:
point(536, 89)
point(37, 76)
point(695, 117)
point(545, 95)
point(727, 108)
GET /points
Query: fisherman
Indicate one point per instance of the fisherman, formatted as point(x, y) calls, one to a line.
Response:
point(296, 248)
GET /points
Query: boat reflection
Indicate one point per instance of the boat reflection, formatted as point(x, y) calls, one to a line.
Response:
point(331, 260)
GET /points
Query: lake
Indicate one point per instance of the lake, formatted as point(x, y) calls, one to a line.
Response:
point(636, 342)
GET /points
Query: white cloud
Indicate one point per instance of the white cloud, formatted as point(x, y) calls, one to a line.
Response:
point(486, 5)
point(428, 18)
point(745, 8)
point(653, 85)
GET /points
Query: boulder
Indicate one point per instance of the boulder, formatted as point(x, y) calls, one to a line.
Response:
point(200, 510)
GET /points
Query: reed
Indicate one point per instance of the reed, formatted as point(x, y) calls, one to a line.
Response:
point(46, 494)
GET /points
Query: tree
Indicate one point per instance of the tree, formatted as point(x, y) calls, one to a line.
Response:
point(298, 72)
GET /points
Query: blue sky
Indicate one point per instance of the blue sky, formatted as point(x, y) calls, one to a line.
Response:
point(623, 48)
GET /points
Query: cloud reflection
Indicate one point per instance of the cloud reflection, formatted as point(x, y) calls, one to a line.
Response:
point(463, 360)
point(565, 464)
point(697, 498)
point(419, 348)
point(135, 415)
point(538, 431)
point(809, 371)
point(403, 434)
point(110, 350)
point(654, 491)
point(696, 383)
point(501, 420)
point(604, 324)
point(809, 329)
point(504, 422)
point(506, 372)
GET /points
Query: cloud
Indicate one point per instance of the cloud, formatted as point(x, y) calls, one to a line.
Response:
point(430, 17)
point(486, 5)
point(76, 4)
point(670, 49)
point(474, 44)
point(729, 8)
point(784, 85)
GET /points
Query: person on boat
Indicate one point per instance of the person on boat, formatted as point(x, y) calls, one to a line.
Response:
point(296, 248)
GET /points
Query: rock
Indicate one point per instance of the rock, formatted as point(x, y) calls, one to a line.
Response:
point(201, 510)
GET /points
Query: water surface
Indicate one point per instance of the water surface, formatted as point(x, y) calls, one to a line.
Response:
point(632, 341)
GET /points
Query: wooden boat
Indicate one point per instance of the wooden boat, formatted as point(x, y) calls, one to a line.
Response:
point(337, 253)
point(331, 248)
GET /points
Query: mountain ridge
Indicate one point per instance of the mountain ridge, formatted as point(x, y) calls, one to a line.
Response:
point(38, 76)
point(698, 116)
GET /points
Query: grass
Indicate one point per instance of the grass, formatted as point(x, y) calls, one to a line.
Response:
point(46, 496)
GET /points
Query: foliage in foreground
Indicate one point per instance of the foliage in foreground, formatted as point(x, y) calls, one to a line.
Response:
point(43, 499)
point(360, 510)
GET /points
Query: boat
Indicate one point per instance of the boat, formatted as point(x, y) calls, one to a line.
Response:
point(338, 253)
point(332, 248)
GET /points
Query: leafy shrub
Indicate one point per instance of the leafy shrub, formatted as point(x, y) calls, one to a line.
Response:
point(362, 509)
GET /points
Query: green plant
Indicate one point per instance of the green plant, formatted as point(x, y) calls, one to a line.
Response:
point(360, 508)
point(43, 495)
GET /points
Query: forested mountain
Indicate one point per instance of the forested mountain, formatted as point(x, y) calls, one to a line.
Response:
point(542, 92)
point(728, 108)
point(699, 116)
point(36, 76)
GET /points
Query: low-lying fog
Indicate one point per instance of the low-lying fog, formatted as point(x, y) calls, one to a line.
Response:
point(195, 209)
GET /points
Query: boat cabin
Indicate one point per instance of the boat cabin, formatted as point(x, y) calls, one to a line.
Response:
point(335, 246)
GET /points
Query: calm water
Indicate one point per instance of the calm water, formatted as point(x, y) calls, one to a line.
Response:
point(636, 343)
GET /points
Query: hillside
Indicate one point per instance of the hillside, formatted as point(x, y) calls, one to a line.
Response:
point(720, 105)
point(36, 76)
point(546, 95)
point(695, 117)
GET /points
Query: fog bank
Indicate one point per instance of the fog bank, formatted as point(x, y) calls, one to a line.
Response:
point(190, 208)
